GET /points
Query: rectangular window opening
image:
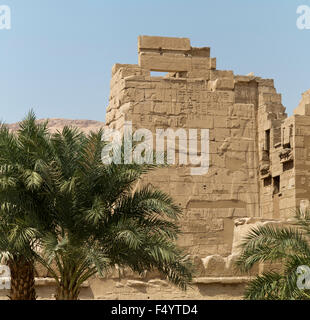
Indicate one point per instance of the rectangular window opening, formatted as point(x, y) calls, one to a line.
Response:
point(159, 74)
point(288, 165)
point(276, 185)
point(267, 142)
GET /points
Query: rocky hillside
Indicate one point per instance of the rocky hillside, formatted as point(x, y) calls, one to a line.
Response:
point(58, 124)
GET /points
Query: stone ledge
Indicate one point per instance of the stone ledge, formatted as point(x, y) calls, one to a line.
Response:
point(51, 282)
point(222, 280)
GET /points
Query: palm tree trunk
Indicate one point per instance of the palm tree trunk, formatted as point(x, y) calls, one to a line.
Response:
point(22, 279)
point(66, 293)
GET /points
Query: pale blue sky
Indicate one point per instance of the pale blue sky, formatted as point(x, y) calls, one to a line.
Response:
point(57, 58)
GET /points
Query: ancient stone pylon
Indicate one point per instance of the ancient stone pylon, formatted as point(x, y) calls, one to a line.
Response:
point(238, 110)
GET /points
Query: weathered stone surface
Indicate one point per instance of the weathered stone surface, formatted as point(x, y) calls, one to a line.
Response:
point(168, 43)
point(254, 148)
point(304, 105)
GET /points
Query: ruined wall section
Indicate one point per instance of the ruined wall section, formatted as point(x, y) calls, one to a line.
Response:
point(276, 155)
point(293, 161)
point(123, 94)
point(301, 151)
point(194, 95)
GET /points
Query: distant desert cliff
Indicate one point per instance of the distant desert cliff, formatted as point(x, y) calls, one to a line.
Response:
point(55, 124)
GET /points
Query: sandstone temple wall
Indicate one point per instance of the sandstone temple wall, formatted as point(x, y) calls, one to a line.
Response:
point(238, 110)
point(258, 167)
point(195, 95)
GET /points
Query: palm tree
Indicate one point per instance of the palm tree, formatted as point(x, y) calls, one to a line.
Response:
point(23, 159)
point(288, 246)
point(103, 218)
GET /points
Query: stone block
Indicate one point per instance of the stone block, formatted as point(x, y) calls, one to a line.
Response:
point(214, 265)
point(164, 62)
point(163, 43)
